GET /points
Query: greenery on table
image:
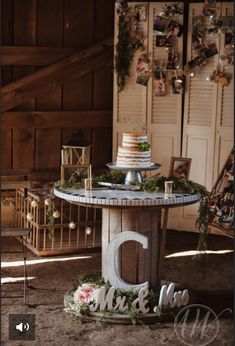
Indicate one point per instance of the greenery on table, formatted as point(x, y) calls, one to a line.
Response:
point(157, 183)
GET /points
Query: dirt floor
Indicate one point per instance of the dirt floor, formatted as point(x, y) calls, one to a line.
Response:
point(210, 281)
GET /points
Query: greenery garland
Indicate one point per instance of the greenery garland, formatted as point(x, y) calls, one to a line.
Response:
point(157, 183)
point(128, 42)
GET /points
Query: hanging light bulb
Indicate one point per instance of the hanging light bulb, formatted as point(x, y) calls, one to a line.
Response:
point(34, 204)
point(209, 78)
point(29, 217)
point(192, 74)
point(88, 230)
point(56, 214)
point(47, 201)
point(72, 225)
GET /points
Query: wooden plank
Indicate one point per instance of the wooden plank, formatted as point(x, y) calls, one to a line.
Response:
point(24, 33)
point(59, 119)
point(15, 232)
point(12, 185)
point(102, 147)
point(6, 37)
point(78, 15)
point(23, 148)
point(31, 56)
point(6, 145)
point(103, 89)
point(83, 62)
point(78, 93)
point(50, 33)
point(104, 19)
point(47, 154)
point(78, 18)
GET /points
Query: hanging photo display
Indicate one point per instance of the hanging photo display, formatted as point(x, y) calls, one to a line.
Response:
point(160, 24)
point(172, 60)
point(121, 6)
point(143, 70)
point(159, 81)
point(177, 84)
point(164, 41)
point(141, 12)
point(222, 196)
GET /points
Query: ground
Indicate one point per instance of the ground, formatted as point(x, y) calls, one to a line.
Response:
point(210, 282)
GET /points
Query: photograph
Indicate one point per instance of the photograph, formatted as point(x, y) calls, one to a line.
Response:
point(160, 24)
point(222, 196)
point(164, 41)
point(180, 167)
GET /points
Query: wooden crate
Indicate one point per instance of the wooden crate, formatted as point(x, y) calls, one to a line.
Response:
point(64, 239)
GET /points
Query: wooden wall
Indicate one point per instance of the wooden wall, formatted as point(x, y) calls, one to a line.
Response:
point(33, 131)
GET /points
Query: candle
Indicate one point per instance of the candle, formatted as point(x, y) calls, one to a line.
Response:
point(168, 188)
point(89, 174)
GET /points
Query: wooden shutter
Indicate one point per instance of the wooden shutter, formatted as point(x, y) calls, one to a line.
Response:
point(225, 108)
point(164, 112)
point(130, 104)
point(207, 138)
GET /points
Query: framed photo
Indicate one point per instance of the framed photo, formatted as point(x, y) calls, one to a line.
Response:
point(222, 196)
point(73, 173)
point(180, 167)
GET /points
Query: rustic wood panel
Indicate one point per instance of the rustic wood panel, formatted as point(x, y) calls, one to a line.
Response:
point(78, 94)
point(104, 19)
point(6, 37)
point(23, 148)
point(59, 119)
point(6, 142)
point(78, 23)
point(24, 34)
point(77, 65)
point(102, 147)
point(47, 153)
point(103, 88)
point(31, 56)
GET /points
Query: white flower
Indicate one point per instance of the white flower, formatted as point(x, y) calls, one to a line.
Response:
point(86, 293)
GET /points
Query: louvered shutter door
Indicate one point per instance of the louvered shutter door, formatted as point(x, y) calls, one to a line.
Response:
point(208, 111)
point(164, 112)
point(225, 108)
point(130, 105)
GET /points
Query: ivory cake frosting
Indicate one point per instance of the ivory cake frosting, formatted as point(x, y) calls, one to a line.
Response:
point(134, 151)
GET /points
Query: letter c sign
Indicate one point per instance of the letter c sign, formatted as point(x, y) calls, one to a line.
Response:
point(112, 271)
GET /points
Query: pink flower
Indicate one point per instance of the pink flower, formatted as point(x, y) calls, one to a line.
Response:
point(86, 293)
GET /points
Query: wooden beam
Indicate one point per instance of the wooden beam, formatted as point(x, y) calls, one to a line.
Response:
point(56, 119)
point(75, 65)
point(34, 56)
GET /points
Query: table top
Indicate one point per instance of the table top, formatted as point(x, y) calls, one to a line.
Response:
point(120, 198)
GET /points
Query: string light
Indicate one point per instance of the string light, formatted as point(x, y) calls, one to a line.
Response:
point(88, 231)
point(56, 214)
point(29, 217)
point(72, 225)
point(192, 74)
point(34, 204)
point(47, 201)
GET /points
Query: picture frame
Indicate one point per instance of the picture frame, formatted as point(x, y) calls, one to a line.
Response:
point(222, 197)
point(73, 173)
point(180, 167)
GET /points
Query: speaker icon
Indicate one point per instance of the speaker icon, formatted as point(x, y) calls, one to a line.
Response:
point(22, 327)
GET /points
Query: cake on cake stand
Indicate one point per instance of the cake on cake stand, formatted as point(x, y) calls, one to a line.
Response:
point(133, 175)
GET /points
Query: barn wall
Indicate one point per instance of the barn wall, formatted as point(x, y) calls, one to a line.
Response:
point(55, 23)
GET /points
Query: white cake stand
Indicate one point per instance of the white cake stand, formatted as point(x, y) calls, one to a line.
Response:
point(133, 175)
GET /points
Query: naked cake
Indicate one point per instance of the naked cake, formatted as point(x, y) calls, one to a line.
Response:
point(135, 151)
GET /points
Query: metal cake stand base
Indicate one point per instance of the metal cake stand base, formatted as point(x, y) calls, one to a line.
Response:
point(133, 175)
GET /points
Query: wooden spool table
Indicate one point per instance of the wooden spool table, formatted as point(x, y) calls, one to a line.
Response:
point(132, 211)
